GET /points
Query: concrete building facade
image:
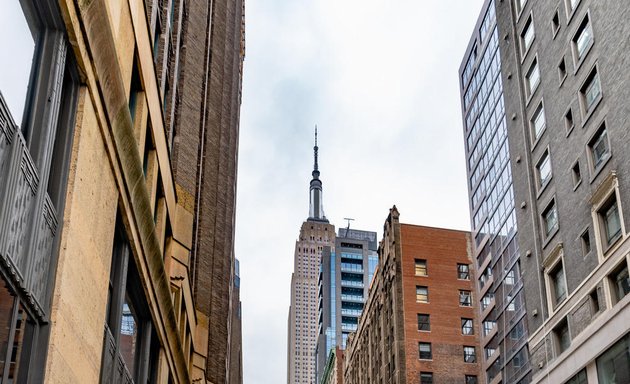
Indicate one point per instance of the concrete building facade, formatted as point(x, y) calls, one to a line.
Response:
point(565, 91)
point(419, 322)
point(315, 234)
point(344, 279)
point(98, 245)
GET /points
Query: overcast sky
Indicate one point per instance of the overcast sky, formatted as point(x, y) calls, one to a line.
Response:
point(379, 78)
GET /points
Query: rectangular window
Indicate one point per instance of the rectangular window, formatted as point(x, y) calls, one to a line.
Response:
point(543, 170)
point(585, 241)
point(426, 378)
point(568, 121)
point(527, 36)
point(550, 219)
point(562, 70)
point(594, 298)
point(425, 351)
point(563, 338)
point(465, 299)
point(470, 379)
point(579, 378)
point(613, 366)
point(599, 148)
point(538, 122)
point(463, 272)
point(424, 322)
point(532, 78)
point(591, 91)
point(488, 326)
point(583, 38)
point(486, 300)
point(575, 172)
point(467, 327)
point(422, 294)
point(610, 222)
point(558, 283)
point(555, 23)
point(421, 267)
point(489, 351)
point(469, 354)
point(621, 282)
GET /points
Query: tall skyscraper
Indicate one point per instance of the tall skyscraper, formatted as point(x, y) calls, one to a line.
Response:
point(566, 92)
point(315, 234)
point(495, 246)
point(419, 320)
point(344, 279)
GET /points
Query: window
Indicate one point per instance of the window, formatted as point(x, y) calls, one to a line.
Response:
point(532, 78)
point(527, 36)
point(520, 4)
point(489, 351)
point(621, 282)
point(610, 222)
point(467, 327)
point(562, 70)
point(571, 5)
point(568, 121)
point(422, 294)
point(538, 122)
point(576, 174)
point(579, 378)
point(590, 92)
point(594, 298)
point(421, 268)
point(599, 148)
point(469, 355)
point(558, 283)
point(543, 170)
point(425, 351)
point(613, 366)
point(510, 278)
point(463, 272)
point(585, 240)
point(426, 378)
point(470, 379)
point(550, 219)
point(14, 347)
point(563, 338)
point(424, 322)
point(518, 331)
point(555, 23)
point(583, 39)
point(486, 300)
point(488, 326)
point(465, 299)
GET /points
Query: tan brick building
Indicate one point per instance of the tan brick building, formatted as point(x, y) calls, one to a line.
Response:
point(418, 324)
point(117, 185)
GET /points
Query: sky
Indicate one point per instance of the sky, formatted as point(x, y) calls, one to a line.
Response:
point(379, 79)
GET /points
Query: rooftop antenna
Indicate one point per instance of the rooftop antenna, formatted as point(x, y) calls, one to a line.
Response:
point(348, 219)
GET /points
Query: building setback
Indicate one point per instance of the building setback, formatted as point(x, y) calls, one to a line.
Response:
point(315, 234)
point(566, 94)
point(110, 269)
point(344, 279)
point(419, 320)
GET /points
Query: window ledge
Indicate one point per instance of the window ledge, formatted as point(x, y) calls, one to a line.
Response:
point(599, 169)
point(543, 187)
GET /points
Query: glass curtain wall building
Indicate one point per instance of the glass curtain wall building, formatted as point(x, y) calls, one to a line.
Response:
point(499, 286)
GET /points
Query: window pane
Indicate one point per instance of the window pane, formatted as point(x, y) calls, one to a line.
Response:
point(612, 223)
point(551, 219)
point(559, 285)
point(421, 267)
point(613, 367)
point(424, 322)
point(463, 272)
point(539, 122)
point(583, 40)
point(129, 335)
point(593, 90)
point(528, 35)
point(465, 299)
point(422, 294)
point(425, 350)
point(544, 169)
point(622, 283)
point(16, 38)
point(533, 77)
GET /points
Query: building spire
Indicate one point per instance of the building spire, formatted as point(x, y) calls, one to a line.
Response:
point(316, 211)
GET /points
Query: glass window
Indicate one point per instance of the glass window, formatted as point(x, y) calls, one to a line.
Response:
point(469, 354)
point(563, 338)
point(425, 351)
point(463, 272)
point(599, 148)
point(621, 283)
point(128, 334)
point(470, 379)
point(538, 122)
point(579, 378)
point(424, 322)
point(613, 366)
point(488, 326)
point(519, 5)
point(486, 300)
point(426, 378)
point(583, 38)
point(544, 169)
point(421, 267)
point(559, 284)
point(422, 294)
point(532, 77)
point(527, 36)
point(609, 214)
point(550, 219)
point(465, 299)
point(467, 327)
point(591, 91)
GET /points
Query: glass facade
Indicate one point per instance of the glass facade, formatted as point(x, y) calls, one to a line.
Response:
point(492, 203)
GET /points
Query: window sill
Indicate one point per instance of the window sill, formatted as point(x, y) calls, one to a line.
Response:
point(543, 187)
point(599, 169)
point(575, 187)
point(550, 237)
point(570, 129)
point(609, 247)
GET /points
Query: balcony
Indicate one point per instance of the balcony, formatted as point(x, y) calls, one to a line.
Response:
point(351, 312)
point(352, 298)
point(352, 283)
point(352, 268)
point(28, 219)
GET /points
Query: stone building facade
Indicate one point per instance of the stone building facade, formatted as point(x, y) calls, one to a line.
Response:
point(106, 273)
point(419, 322)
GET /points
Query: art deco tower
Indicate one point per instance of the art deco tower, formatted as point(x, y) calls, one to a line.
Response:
point(315, 234)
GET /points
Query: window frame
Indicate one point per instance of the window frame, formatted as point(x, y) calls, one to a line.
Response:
point(468, 356)
point(468, 327)
point(580, 55)
point(560, 330)
point(586, 107)
point(531, 87)
point(419, 296)
point(424, 322)
point(536, 133)
point(463, 271)
point(597, 164)
point(463, 293)
point(543, 160)
point(421, 265)
point(525, 47)
point(420, 352)
point(549, 232)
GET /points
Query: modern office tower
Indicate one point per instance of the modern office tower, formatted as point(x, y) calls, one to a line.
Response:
point(495, 247)
point(419, 321)
point(344, 279)
point(315, 234)
point(566, 95)
point(102, 108)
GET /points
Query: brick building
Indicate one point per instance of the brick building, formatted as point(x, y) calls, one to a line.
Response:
point(419, 322)
point(118, 137)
